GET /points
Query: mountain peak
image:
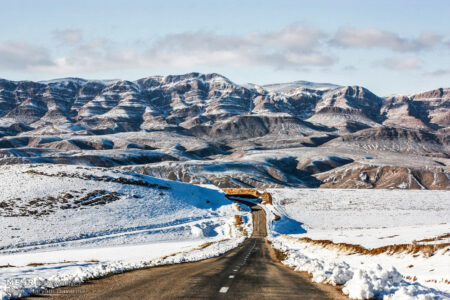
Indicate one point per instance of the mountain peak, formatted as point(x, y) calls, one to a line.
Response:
point(202, 101)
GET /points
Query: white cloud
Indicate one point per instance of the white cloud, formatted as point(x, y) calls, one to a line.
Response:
point(68, 36)
point(294, 38)
point(291, 47)
point(349, 68)
point(438, 72)
point(23, 56)
point(401, 63)
point(376, 38)
point(96, 55)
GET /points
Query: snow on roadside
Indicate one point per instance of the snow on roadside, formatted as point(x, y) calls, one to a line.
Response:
point(24, 281)
point(370, 218)
point(65, 224)
point(366, 281)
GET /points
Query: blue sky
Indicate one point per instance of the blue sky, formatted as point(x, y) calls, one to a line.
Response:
point(387, 46)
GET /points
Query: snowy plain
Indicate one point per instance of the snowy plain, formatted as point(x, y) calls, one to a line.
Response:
point(64, 224)
point(369, 218)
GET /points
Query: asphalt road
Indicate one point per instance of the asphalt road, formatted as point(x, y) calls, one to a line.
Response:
point(247, 272)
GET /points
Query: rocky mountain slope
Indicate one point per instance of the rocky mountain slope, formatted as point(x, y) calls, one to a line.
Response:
point(205, 128)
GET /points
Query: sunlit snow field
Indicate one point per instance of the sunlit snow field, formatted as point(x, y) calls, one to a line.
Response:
point(64, 224)
point(369, 218)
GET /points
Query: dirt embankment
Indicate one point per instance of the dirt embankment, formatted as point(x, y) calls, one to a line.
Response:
point(413, 248)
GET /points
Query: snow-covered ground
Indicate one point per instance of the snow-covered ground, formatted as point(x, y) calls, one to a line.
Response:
point(371, 219)
point(64, 224)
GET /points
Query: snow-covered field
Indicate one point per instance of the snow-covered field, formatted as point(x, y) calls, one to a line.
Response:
point(371, 219)
point(64, 224)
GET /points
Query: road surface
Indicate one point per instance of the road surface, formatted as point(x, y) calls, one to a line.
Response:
point(247, 272)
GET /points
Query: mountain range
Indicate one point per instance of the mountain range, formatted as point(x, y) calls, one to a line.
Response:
point(204, 128)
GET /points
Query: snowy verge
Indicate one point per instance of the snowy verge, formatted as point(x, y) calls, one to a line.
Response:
point(63, 224)
point(405, 230)
point(24, 281)
point(365, 282)
point(370, 218)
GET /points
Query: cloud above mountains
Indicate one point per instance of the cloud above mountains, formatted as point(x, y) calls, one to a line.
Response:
point(376, 38)
point(68, 36)
point(16, 55)
point(401, 63)
point(293, 47)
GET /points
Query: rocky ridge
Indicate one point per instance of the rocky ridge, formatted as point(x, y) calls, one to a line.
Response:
point(204, 128)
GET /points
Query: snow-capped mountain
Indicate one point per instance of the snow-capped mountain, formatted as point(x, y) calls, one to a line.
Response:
point(205, 103)
point(193, 120)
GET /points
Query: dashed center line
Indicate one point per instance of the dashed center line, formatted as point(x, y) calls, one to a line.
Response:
point(225, 289)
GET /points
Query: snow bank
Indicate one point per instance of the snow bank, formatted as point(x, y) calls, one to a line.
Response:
point(371, 219)
point(64, 224)
point(24, 281)
point(366, 282)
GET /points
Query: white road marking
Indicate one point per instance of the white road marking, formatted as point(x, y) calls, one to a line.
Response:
point(231, 276)
point(224, 289)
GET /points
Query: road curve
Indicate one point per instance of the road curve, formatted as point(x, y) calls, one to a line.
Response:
point(247, 272)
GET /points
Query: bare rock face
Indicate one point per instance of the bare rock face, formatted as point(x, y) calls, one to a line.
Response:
point(400, 140)
point(427, 110)
point(204, 128)
point(353, 100)
point(385, 177)
point(207, 100)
